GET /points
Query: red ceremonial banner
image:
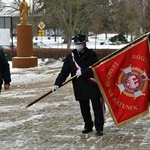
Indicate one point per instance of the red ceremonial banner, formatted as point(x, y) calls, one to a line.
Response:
point(124, 82)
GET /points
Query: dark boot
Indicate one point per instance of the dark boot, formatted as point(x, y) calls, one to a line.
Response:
point(87, 131)
point(99, 133)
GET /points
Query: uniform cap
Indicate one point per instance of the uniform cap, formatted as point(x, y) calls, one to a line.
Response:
point(79, 38)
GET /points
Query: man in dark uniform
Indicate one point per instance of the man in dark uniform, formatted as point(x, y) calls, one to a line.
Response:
point(4, 71)
point(85, 87)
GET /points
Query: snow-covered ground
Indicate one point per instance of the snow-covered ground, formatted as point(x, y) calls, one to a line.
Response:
point(93, 42)
point(41, 73)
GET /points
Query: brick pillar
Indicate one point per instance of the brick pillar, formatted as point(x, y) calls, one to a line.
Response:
point(24, 57)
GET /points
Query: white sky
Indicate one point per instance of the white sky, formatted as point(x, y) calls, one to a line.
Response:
point(8, 3)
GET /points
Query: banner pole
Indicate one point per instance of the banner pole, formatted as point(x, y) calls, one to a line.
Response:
point(49, 92)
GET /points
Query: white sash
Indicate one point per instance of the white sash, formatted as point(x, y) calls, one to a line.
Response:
point(78, 67)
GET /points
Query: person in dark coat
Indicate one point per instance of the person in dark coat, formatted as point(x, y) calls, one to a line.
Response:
point(85, 87)
point(5, 76)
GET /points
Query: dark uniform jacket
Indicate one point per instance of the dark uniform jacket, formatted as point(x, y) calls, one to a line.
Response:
point(83, 88)
point(4, 69)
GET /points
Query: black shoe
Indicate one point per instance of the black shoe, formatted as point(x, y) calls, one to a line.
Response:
point(99, 133)
point(87, 131)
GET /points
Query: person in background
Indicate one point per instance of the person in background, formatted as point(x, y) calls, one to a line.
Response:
point(85, 87)
point(5, 76)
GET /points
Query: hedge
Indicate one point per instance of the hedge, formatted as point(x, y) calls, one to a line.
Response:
point(56, 53)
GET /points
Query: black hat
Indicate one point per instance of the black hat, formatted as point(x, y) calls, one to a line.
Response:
point(79, 38)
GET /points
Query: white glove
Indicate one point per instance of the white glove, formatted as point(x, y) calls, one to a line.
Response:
point(78, 73)
point(55, 88)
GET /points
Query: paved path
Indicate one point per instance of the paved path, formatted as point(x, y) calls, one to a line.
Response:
point(55, 123)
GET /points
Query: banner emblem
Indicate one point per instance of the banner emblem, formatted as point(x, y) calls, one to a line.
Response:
point(132, 82)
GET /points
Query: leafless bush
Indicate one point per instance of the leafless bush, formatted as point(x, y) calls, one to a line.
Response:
point(56, 53)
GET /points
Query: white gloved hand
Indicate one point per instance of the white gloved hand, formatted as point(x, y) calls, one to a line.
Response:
point(78, 73)
point(55, 88)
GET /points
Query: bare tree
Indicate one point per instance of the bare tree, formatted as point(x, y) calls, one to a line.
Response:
point(70, 16)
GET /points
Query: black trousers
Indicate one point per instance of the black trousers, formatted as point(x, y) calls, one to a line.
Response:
point(97, 106)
